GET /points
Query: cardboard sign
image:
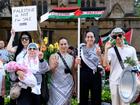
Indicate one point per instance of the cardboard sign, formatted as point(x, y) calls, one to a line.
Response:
point(24, 18)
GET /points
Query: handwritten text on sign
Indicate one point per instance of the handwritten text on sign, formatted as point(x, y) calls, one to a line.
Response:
point(24, 18)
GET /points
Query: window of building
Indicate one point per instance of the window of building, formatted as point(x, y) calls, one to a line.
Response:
point(34, 2)
point(45, 7)
point(102, 1)
point(54, 1)
point(82, 3)
point(39, 8)
point(93, 3)
point(73, 1)
point(88, 3)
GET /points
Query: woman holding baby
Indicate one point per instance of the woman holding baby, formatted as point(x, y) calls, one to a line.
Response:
point(28, 54)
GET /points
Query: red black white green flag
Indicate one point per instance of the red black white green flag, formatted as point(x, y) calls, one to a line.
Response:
point(73, 13)
point(106, 37)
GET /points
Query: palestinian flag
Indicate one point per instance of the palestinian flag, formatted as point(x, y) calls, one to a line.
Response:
point(106, 37)
point(128, 35)
point(73, 13)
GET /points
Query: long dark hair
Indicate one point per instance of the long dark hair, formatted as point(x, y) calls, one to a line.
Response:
point(20, 45)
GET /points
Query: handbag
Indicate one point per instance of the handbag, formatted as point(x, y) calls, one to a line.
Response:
point(15, 90)
point(67, 70)
point(119, 57)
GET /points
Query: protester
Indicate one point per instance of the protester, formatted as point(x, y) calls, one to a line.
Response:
point(35, 63)
point(3, 59)
point(2, 83)
point(3, 52)
point(110, 58)
point(90, 77)
point(19, 50)
point(62, 81)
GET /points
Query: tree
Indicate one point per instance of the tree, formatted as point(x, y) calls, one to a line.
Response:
point(137, 7)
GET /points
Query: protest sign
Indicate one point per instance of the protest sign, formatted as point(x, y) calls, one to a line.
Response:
point(24, 18)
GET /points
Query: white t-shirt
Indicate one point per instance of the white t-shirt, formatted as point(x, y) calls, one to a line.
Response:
point(116, 69)
point(2, 73)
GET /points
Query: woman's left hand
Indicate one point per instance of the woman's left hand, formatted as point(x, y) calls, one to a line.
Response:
point(40, 55)
point(98, 51)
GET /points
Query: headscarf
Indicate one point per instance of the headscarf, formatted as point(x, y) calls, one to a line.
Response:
point(32, 61)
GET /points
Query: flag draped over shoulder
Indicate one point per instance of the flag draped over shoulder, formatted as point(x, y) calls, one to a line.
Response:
point(106, 37)
point(73, 13)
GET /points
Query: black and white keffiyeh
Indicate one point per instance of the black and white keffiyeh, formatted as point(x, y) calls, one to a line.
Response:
point(89, 56)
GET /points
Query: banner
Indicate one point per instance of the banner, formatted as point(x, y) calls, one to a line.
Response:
point(73, 13)
point(24, 18)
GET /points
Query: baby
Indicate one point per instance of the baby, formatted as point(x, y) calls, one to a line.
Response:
point(29, 79)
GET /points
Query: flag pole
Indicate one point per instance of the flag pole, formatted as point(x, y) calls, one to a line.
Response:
point(131, 35)
point(78, 90)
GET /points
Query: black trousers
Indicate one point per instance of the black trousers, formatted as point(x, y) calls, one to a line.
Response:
point(28, 98)
point(12, 102)
point(90, 86)
point(1, 100)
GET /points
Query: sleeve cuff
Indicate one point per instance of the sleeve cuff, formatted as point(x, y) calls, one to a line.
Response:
point(41, 60)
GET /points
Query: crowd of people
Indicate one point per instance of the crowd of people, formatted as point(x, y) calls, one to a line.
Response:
point(62, 66)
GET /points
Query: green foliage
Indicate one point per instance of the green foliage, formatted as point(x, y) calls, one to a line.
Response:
point(47, 54)
point(7, 84)
point(137, 7)
point(6, 100)
point(74, 101)
point(106, 96)
point(130, 61)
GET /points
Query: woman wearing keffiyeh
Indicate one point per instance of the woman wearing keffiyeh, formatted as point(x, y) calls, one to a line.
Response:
point(90, 77)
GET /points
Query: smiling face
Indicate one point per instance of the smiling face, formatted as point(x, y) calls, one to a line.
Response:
point(90, 39)
point(119, 38)
point(32, 50)
point(25, 40)
point(63, 45)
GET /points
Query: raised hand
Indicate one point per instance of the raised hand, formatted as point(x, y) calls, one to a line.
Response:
point(53, 61)
point(108, 45)
point(13, 32)
point(98, 51)
point(40, 55)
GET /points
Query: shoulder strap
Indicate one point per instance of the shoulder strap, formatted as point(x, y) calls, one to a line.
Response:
point(67, 70)
point(119, 57)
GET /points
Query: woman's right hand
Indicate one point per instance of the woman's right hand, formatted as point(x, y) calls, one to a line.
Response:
point(108, 45)
point(20, 74)
point(53, 61)
point(77, 61)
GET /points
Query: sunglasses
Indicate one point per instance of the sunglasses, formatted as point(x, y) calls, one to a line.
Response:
point(32, 49)
point(63, 44)
point(25, 38)
point(115, 36)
